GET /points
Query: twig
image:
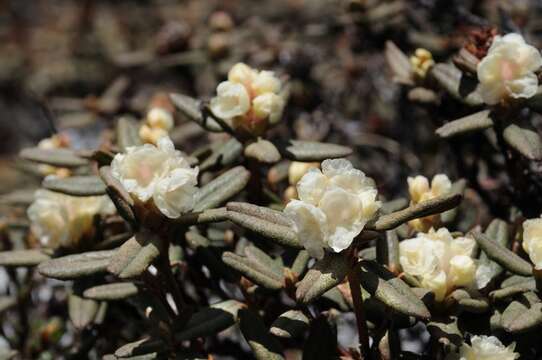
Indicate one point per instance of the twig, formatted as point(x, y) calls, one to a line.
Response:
point(361, 320)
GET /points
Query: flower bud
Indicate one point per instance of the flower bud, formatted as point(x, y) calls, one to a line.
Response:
point(269, 106)
point(232, 100)
point(421, 62)
point(297, 169)
point(158, 117)
point(532, 240)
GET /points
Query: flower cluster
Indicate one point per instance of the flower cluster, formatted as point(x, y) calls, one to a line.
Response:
point(421, 62)
point(532, 241)
point(159, 120)
point(63, 220)
point(487, 348)
point(419, 190)
point(439, 261)
point(250, 100)
point(333, 207)
point(160, 173)
point(508, 69)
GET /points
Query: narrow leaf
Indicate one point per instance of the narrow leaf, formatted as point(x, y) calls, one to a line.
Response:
point(291, 324)
point(120, 197)
point(263, 345)
point(82, 311)
point(456, 84)
point(313, 151)
point(254, 271)
point(76, 185)
point(115, 291)
point(223, 155)
point(221, 189)
point(324, 275)
point(502, 255)
point(475, 122)
point(524, 141)
point(263, 151)
point(23, 257)
point(127, 133)
point(191, 108)
point(55, 157)
point(399, 64)
point(519, 317)
point(75, 266)
point(135, 255)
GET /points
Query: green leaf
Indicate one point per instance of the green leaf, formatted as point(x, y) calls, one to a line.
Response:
point(456, 84)
point(75, 266)
point(422, 209)
point(203, 217)
point(387, 251)
point(256, 271)
point(300, 263)
point(135, 255)
point(290, 324)
point(324, 275)
point(509, 291)
point(487, 269)
point(322, 340)
point(23, 257)
point(7, 302)
point(399, 64)
point(191, 108)
point(519, 317)
point(262, 212)
point(313, 151)
point(263, 151)
point(127, 133)
point(279, 233)
point(502, 255)
point(115, 291)
point(263, 345)
point(221, 189)
point(55, 157)
point(445, 332)
point(140, 347)
point(82, 311)
point(76, 185)
point(524, 141)
point(120, 197)
point(210, 321)
point(472, 123)
point(223, 155)
point(391, 291)
point(23, 197)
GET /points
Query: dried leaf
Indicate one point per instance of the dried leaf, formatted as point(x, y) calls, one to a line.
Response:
point(324, 275)
point(472, 123)
point(78, 265)
point(76, 185)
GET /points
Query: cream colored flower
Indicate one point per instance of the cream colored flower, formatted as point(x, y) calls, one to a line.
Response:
point(487, 348)
point(160, 173)
point(421, 62)
point(62, 220)
point(297, 169)
point(420, 190)
point(532, 240)
point(333, 207)
point(158, 117)
point(508, 69)
point(151, 135)
point(439, 261)
point(249, 99)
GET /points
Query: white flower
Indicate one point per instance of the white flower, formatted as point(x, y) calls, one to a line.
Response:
point(487, 348)
point(249, 99)
point(158, 172)
point(333, 207)
point(158, 117)
point(62, 220)
point(232, 100)
point(508, 69)
point(532, 240)
point(419, 190)
point(439, 261)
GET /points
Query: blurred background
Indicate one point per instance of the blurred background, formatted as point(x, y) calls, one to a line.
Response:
point(76, 66)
